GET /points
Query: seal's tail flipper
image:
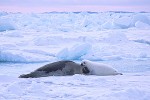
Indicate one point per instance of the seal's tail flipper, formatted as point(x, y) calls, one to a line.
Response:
point(119, 74)
point(30, 75)
point(24, 76)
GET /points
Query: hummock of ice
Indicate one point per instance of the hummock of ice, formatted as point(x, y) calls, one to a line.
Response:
point(20, 56)
point(75, 53)
point(141, 18)
point(142, 25)
point(6, 26)
point(73, 36)
point(123, 22)
point(72, 21)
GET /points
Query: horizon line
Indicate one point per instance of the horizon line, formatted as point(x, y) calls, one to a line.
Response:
point(75, 9)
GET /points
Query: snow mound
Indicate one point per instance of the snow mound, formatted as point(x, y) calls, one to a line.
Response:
point(99, 36)
point(140, 18)
point(142, 41)
point(3, 13)
point(123, 22)
point(71, 22)
point(141, 25)
point(10, 57)
point(21, 56)
point(74, 53)
point(116, 46)
point(5, 26)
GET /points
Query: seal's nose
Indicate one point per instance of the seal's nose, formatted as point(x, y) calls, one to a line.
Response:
point(82, 64)
point(85, 70)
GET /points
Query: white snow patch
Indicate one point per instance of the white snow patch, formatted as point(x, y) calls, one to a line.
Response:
point(77, 87)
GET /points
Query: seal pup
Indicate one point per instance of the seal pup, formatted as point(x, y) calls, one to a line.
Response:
point(59, 68)
point(99, 68)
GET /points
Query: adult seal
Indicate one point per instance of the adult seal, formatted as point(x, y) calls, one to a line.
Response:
point(99, 68)
point(59, 68)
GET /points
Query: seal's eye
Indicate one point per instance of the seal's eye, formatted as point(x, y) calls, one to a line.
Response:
point(85, 70)
point(82, 64)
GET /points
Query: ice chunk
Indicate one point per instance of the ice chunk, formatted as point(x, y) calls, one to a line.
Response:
point(68, 22)
point(4, 26)
point(10, 57)
point(21, 56)
point(75, 53)
point(63, 54)
point(142, 41)
point(3, 13)
point(142, 25)
point(140, 17)
point(110, 25)
point(79, 50)
point(123, 22)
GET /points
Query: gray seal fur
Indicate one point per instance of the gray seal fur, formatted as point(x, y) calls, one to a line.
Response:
point(59, 68)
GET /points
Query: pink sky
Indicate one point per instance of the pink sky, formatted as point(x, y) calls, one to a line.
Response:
point(75, 8)
point(74, 5)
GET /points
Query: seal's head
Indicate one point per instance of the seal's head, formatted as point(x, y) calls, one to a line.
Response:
point(85, 69)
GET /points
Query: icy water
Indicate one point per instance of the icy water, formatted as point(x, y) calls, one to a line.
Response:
point(123, 66)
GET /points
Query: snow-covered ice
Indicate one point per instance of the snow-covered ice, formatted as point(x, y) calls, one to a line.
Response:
point(126, 87)
point(29, 41)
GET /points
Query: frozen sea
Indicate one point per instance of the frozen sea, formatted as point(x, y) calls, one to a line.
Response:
point(120, 39)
